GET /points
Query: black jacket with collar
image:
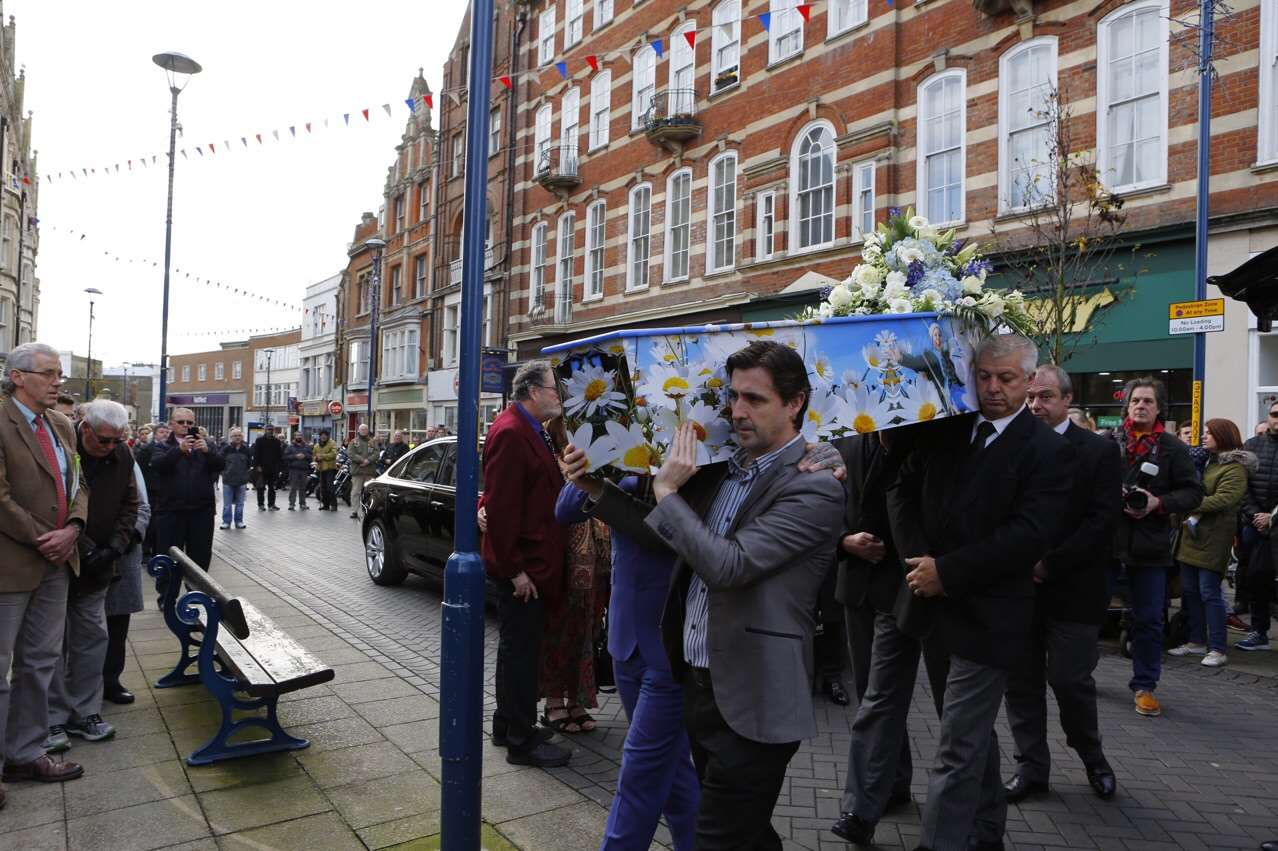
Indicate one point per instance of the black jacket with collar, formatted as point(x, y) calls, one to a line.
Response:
point(184, 480)
point(1077, 585)
point(1262, 486)
point(987, 518)
point(1147, 542)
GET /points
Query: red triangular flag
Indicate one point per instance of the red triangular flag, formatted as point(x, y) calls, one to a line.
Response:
point(593, 62)
point(429, 101)
point(308, 127)
point(691, 35)
point(212, 147)
point(805, 9)
point(365, 112)
point(505, 81)
point(259, 137)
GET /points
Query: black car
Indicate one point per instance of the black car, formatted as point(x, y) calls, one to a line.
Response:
point(409, 513)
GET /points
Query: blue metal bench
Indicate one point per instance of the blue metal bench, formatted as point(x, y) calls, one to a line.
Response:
point(240, 656)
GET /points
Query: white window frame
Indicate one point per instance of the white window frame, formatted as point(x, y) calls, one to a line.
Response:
point(596, 244)
point(794, 228)
point(765, 237)
point(423, 202)
point(600, 109)
point(686, 225)
point(603, 12)
point(459, 154)
point(726, 16)
point(546, 36)
point(1104, 152)
point(683, 61)
point(219, 371)
point(451, 324)
point(186, 374)
point(844, 15)
point(419, 277)
point(237, 370)
point(863, 198)
point(399, 214)
point(715, 262)
point(1005, 119)
point(202, 372)
point(574, 22)
point(786, 21)
point(565, 258)
point(633, 238)
point(569, 130)
point(542, 121)
point(1267, 139)
point(643, 77)
point(921, 202)
point(537, 274)
point(494, 131)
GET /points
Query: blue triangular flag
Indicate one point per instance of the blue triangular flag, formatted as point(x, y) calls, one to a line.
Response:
point(412, 104)
point(346, 116)
point(563, 69)
point(766, 19)
point(656, 45)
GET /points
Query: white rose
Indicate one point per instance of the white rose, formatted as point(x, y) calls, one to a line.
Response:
point(866, 273)
point(967, 301)
point(896, 278)
point(840, 296)
point(908, 255)
point(991, 305)
point(918, 223)
point(870, 291)
point(895, 289)
point(900, 305)
point(972, 285)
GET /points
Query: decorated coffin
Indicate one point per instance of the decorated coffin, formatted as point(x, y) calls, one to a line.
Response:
point(626, 392)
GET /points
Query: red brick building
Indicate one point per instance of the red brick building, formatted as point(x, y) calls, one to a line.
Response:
point(697, 181)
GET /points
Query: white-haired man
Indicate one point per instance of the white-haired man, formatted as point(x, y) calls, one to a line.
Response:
point(75, 695)
point(43, 510)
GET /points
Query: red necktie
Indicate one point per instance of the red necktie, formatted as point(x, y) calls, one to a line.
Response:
point(46, 445)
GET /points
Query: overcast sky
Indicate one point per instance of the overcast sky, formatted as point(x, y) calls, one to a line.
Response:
point(273, 218)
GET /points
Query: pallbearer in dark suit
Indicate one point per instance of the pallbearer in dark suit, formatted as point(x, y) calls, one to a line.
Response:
point(1070, 600)
point(972, 519)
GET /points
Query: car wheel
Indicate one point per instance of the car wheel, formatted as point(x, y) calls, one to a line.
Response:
point(379, 558)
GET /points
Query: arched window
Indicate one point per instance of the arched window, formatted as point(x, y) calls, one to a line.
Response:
point(683, 72)
point(569, 116)
point(1131, 96)
point(537, 296)
point(678, 224)
point(643, 83)
point(1026, 118)
point(941, 151)
point(725, 45)
point(638, 237)
point(812, 188)
point(721, 241)
point(541, 138)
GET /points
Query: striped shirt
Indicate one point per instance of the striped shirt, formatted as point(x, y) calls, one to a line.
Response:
point(727, 502)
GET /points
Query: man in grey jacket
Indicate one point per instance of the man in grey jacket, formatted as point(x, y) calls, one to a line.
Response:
point(754, 539)
point(362, 454)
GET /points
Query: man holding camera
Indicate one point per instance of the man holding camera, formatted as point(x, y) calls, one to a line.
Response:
point(185, 474)
point(1158, 480)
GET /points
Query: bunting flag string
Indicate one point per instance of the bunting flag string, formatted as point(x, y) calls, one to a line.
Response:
point(593, 62)
point(230, 333)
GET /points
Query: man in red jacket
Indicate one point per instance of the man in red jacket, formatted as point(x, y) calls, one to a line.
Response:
point(523, 551)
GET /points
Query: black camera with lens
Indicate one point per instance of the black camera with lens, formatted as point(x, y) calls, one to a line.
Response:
point(1137, 497)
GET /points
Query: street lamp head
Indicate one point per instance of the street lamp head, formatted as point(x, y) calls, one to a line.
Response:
point(176, 64)
point(93, 291)
point(375, 243)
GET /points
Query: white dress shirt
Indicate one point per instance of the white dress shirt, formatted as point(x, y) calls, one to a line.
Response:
point(999, 425)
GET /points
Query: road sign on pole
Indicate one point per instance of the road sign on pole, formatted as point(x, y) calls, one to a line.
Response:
point(1196, 317)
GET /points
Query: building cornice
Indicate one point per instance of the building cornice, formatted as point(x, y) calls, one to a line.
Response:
point(621, 319)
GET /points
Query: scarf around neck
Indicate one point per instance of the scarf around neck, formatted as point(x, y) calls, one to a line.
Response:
point(1140, 446)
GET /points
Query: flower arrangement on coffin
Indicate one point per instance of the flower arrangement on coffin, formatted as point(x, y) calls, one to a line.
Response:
point(908, 266)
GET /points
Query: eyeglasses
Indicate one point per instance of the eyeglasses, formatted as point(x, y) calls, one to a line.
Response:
point(184, 422)
point(107, 441)
point(51, 374)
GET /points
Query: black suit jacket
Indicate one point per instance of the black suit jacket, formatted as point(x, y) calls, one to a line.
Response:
point(1077, 584)
point(871, 469)
point(987, 519)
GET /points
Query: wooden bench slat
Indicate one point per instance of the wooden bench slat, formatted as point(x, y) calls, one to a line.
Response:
point(232, 607)
point(286, 661)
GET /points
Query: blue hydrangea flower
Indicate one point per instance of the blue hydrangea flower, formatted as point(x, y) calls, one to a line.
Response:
point(943, 282)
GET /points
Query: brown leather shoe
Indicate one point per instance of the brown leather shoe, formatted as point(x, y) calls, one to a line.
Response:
point(43, 769)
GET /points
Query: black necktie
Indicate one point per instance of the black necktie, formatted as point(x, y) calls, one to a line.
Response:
point(550, 444)
point(983, 433)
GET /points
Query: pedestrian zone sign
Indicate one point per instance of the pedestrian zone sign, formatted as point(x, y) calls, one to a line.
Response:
point(1196, 317)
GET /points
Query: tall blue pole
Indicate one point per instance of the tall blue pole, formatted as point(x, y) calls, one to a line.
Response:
point(462, 644)
point(1206, 37)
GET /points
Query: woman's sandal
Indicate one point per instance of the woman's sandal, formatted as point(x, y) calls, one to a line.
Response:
point(584, 720)
point(561, 725)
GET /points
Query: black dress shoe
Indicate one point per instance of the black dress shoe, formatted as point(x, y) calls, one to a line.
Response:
point(853, 829)
point(1269, 846)
point(1101, 778)
point(121, 696)
point(836, 691)
point(1018, 788)
point(545, 755)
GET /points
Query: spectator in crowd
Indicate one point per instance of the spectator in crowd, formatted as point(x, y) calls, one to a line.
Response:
point(1142, 541)
point(186, 473)
point(1185, 433)
point(75, 693)
point(1255, 565)
point(297, 460)
point(124, 597)
point(971, 582)
point(43, 510)
point(66, 406)
point(751, 559)
point(523, 552)
point(361, 454)
point(1260, 429)
point(1071, 594)
point(268, 460)
point(1206, 538)
point(236, 472)
point(885, 659)
point(324, 454)
point(141, 436)
point(142, 455)
point(393, 452)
